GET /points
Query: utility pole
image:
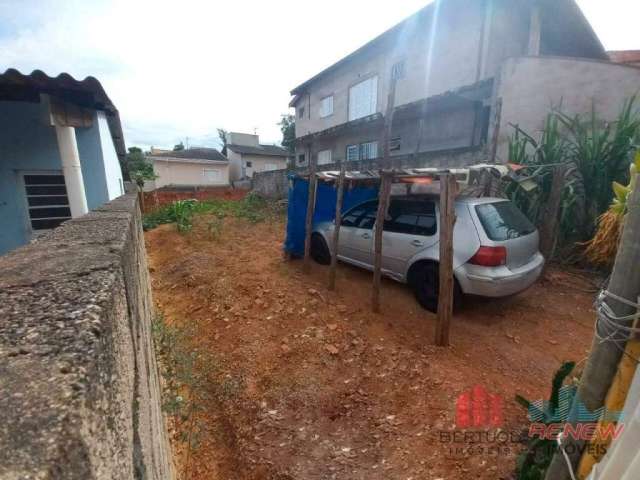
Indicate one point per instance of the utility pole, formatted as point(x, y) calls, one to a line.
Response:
point(605, 353)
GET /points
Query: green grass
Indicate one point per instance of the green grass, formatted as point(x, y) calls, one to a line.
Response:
point(252, 208)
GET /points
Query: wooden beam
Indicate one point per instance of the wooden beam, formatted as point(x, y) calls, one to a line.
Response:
point(448, 188)
point(383, 202)
point(311, 206)
point(551, 217)
point(336, 231)
point(388, 123)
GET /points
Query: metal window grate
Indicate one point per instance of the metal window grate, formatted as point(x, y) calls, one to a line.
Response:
point(47, 200)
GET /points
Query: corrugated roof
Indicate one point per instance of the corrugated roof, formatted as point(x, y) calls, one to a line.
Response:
point(87, 93)
point(269, 150)
point(192, 155)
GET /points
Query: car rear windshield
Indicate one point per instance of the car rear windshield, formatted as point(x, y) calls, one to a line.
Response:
point(503, 221)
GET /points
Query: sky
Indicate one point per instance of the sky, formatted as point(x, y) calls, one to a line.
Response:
point(178, 70)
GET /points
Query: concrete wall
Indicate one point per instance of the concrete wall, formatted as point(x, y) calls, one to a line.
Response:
point(79, 388)
point(275, 184)
point(530, 86)
point(440, 131)
point(235, 165)
point(259, 163)
point(468, 45)
point(236, 138)
point(28, 143)
point(180, 173)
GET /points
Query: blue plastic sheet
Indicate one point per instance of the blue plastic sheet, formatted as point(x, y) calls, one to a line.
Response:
point(325, 208)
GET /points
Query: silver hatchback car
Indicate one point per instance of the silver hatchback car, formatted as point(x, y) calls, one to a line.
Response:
point(495, 247)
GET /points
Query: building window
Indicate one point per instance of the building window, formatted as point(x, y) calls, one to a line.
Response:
point(397, 70)
point(301, 159)
point(352, 153)
point(364, 151)
point(324, 157)
point(368, 150)
point(211, 174)
point(363, 98)
point(270, 166)
point(301, 112)
point(248, 164)
point(394, 144)
point(47, 200)
point(326, 106)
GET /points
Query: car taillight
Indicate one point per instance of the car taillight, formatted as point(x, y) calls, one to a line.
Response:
point(490, 256)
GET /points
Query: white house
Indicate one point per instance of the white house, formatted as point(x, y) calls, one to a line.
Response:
point(198, 167)
point(247, 156)
point(60, 142)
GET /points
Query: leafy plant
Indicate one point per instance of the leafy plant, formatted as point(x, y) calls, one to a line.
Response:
point(538, 156)
point(137, 169)
point(595, 154)
point(602, 248)
point(533, 462)
point(601, 152)
point(183, 212)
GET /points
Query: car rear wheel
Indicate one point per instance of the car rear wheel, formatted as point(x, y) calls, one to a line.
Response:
point(319, 250)
point(425, 281)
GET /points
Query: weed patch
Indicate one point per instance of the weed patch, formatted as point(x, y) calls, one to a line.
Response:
point(252, 208)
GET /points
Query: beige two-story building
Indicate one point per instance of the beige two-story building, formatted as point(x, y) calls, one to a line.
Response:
point(464, 70)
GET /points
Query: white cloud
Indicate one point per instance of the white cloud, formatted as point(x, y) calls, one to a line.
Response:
point(178, 69)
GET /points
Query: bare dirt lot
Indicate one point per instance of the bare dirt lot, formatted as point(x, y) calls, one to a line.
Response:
point(312, 385)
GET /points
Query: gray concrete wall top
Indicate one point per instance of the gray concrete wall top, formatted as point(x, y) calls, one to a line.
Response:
point(79, 391)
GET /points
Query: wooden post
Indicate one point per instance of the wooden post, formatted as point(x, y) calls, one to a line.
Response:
point(336, 231)
point(383, 202)
point(311, 206)
point(388, 123)
point(445, 289)
point(550, 219)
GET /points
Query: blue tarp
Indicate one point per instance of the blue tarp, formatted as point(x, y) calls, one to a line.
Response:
point(325, 210)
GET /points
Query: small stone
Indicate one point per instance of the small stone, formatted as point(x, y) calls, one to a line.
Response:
point(331, 349)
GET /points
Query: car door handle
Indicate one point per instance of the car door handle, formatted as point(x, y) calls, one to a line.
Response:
point(417, 243)
point(366, 235)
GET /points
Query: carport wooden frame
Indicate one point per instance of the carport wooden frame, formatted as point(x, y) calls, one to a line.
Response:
point(448, 191)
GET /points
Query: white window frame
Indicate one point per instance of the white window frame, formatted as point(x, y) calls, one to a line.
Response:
point(369, 150)
point(363, 98)
point(326, 106)
point(355, 148)
point(212, 180)
point(325, 157)
point(270, 166)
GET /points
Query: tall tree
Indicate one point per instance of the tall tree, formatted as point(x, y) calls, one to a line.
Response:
point(223, 134)
point(138, 168)
point(288, 129)
point(178, 147)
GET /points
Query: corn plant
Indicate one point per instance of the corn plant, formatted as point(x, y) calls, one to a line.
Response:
point(601, 152)
point(183, 213)
point(596, 154)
